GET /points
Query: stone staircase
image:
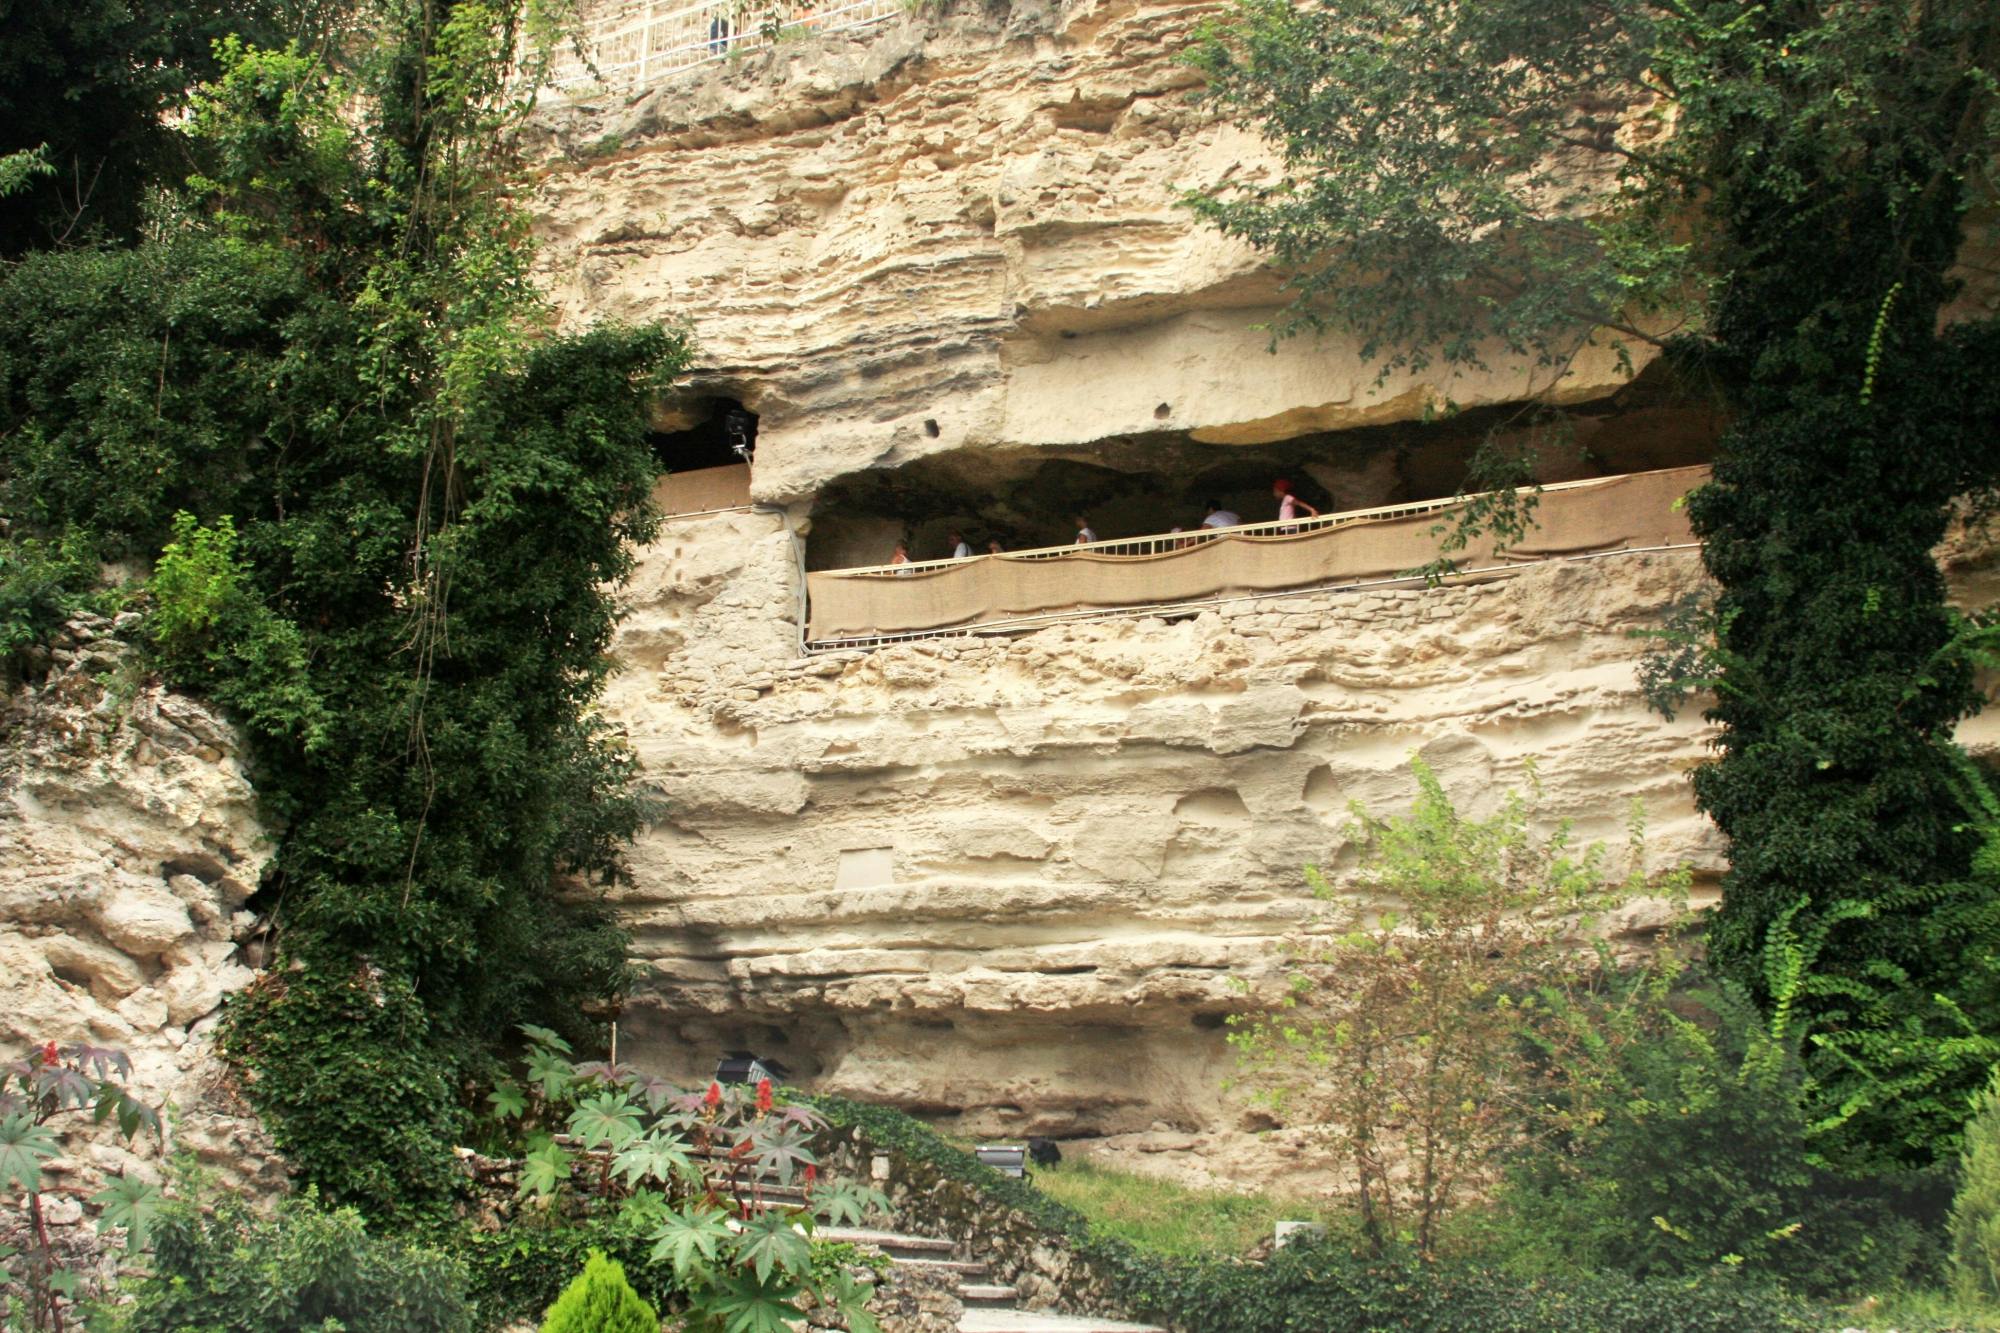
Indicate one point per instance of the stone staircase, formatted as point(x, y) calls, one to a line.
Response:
point(990, 1306)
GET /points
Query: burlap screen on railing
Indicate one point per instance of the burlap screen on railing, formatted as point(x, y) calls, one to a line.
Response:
point(1637, 510)
point(704, 489)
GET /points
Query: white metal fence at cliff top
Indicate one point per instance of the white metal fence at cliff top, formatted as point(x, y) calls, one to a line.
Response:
point(637, 45)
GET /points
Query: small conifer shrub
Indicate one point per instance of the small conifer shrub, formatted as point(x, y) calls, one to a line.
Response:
point(1975, 1213)
point(600, 1300)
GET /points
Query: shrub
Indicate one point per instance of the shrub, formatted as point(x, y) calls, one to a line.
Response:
point(42, 584)
point(674, 1181)
point(303, 1270)
point(600, 1301)
point(1327, 1288)
point(1672, 1138)
point(518, 1270)
point(1975, 1212)
point(56, 1089)
point(1395, 1038)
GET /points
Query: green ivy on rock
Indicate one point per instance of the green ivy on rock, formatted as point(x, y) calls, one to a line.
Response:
point(390, 506)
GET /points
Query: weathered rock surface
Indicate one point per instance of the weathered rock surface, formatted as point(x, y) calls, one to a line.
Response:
point(1011, 879)
point(129, 843)
point(1008, 882)
point(958, 232)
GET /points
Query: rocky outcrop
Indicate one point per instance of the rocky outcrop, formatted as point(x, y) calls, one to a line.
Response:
point(1011, 880)
point(129, 844)
point(959, 234)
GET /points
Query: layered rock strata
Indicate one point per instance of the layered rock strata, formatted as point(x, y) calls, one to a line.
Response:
point(1011, 880)
point(129, 844)
point(1008, 882)
point(959, 231)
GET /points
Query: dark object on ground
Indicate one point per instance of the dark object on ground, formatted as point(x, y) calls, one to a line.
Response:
point(1043, 1152)
point(743, 1067)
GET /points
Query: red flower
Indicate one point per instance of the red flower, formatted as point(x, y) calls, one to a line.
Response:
point(812, 1173)
point(714, 1097)
point(764, 1095)
point(49, 1055)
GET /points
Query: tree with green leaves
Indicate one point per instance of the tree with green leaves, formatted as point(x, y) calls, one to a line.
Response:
point(1777, 194)
point(387, 505)
point(87, 91)
point(1396, 1038)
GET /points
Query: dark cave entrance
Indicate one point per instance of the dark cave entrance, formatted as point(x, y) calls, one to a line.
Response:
point(1151, 483)
point(703, 434)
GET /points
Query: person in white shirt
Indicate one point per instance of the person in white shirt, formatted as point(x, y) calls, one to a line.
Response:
point(959, 549)
point(1218, 517)
point(1085, 534)
point(901, 557)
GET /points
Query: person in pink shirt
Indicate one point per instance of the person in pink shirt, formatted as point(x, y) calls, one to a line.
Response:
point(1289, 505)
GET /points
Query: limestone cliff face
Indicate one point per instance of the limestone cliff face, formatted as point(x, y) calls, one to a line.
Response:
point(956, 234)
point(1007, 881)
point(129, 843)
point(1010, 880)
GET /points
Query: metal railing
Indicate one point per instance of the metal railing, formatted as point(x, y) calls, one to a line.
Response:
point(1160, 543)
point(637, 45)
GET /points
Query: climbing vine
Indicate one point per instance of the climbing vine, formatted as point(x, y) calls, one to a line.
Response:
point(386, 505)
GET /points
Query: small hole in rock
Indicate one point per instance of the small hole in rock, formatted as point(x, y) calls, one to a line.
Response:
point(1209, 1022)
point(1163, 411)
point(930, 428)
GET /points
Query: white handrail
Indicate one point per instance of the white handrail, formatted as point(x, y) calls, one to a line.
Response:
point(1158, 543)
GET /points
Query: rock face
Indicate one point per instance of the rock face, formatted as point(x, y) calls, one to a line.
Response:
point(129, 843)
point(1007, 882)
point(958, 233)
point(1010, 880)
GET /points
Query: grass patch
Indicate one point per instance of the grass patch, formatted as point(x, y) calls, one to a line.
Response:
point(1921, 1312)
point(1165, 1218)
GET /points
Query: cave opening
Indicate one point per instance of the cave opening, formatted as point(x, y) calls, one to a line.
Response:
point(1154, 482)
point(704, 433)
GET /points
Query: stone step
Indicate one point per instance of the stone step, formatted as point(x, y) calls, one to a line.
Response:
point(960, 1267)
point(987, 1295)
point(1035, 1321)
point(889, 1242)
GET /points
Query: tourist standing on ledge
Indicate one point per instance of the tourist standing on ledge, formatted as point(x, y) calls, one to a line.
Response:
point(1085, 535)
point(959, 549)
point(901, 557)
point(1289, 505)
point(993, 547)
point(1218, 517)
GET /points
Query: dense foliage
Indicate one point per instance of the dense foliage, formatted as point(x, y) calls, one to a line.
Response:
point(90, 86)
point(303, 1269)
point(387, 506)
point(1779, 193)
point(1330, 1289)
point(1667, 1136)
point(690, 1174)
point(1395, 1037)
